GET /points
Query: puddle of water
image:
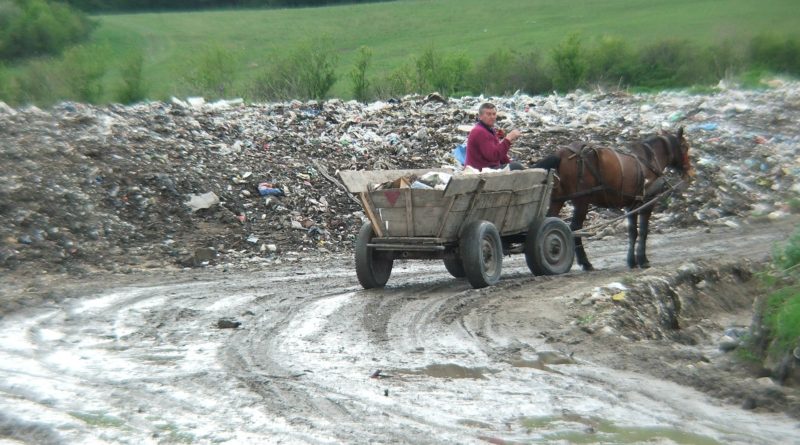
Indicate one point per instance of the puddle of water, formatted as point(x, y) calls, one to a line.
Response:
point(447, 371)
point(543, 359)
point(578, 429)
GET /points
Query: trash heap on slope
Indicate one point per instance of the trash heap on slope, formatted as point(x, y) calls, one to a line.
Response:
point(194, 183)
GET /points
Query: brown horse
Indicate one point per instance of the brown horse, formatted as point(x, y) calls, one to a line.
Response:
point(610, 178)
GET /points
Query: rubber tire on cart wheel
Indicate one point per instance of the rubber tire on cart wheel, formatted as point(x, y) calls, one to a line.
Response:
point(455, 267)
point(549, 247)
point(481, 254)
point(373, 267)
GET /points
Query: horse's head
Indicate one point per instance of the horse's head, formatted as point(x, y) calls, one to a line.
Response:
point(679, 154)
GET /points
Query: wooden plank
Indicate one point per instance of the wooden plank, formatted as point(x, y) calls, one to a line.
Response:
point(429, 220)
point(509, 180)
point(358, 181)
point(367, 204)
point(445, 217)
point(409, 213)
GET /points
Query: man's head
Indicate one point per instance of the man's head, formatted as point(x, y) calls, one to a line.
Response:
point(487, 113)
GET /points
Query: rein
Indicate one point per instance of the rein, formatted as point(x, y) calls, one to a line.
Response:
point(591, 230)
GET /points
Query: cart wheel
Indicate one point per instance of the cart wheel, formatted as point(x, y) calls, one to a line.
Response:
point(455, 266)
point(373, 268)
point(549, 247)
point(481, 254)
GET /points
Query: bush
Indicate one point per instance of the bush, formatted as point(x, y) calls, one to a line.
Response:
point(132, 89)
point(779, 54)
point(358, 75)
point(671, 63)
point(83, 69)
point(5, 85)
point(569, 65)
point(530, 74)
point(494, 75)
point(308, 72)
point(446, 74)
point(399, 82)
point(40, 82)
point(212, 72)
point(726, 59)
point(610, 61)
point(37, 27)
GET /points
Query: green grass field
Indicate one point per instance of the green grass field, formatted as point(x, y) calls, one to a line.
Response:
point(396, 31)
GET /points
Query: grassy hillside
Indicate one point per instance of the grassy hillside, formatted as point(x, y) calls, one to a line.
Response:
point(398, 31)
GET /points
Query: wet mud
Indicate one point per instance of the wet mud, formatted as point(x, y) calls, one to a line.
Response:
point(307, 356)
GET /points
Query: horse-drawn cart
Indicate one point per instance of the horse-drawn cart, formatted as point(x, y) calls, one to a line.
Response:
point(470, 224)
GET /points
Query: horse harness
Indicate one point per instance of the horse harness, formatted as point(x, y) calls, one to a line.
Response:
point(581, 150)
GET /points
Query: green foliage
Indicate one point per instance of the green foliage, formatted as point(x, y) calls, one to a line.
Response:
point(358, 75)
point(788, 257)
point(83, 69)
point(495, 74)
point(671, 63)
point(794, 205)
point(445, 73)
point(782, 316)
point(213, 72)
point(611, 61)
point(727, 58)
point(569, 64)
point(40, 82)
point(307, 72)
point(775, 53)
point(133, 88)
point(400, 82)
point(316, 62)
point(5, 84)
point(780, 311)
point(531, 75)
point(38, 27)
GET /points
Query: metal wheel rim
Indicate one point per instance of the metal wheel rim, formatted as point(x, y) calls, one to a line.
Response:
point(488, 256)
point(554, 246)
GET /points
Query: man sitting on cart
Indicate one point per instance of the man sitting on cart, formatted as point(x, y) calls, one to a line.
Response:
point(486, 146)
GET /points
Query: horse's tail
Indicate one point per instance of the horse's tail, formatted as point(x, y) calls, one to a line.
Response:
point(551, 162)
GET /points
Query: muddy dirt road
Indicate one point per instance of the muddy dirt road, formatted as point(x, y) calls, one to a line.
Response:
point(316, 359)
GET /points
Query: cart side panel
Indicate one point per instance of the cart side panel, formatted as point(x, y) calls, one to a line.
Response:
point(524, 209)
point(429, 211)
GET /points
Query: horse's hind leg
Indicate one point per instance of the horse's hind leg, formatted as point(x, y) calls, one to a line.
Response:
point(641, 250)
point(632, 233)
point(578, 218)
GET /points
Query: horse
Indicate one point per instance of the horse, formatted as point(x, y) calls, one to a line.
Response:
point(613, 179)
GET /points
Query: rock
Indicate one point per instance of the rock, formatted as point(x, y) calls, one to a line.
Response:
point(227, 323)
point(727, 344)
point(765, 381)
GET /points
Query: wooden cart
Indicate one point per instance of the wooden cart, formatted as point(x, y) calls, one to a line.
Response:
point(470, 224)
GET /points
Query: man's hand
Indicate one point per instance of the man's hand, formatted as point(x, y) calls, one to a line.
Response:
point(500, 133)
point(513, 135)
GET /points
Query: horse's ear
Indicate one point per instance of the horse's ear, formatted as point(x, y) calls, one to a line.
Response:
point(680, 133)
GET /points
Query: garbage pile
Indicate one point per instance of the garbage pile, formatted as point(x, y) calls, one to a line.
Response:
point(194, 183)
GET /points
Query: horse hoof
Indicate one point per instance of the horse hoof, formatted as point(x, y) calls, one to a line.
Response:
point(587, 267)
point(644, 266)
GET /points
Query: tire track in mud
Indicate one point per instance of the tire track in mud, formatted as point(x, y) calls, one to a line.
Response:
point(146, 364)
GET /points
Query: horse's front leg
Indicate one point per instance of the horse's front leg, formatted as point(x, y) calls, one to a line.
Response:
point(578, 218)
point(632, 233)
point(641, 250)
